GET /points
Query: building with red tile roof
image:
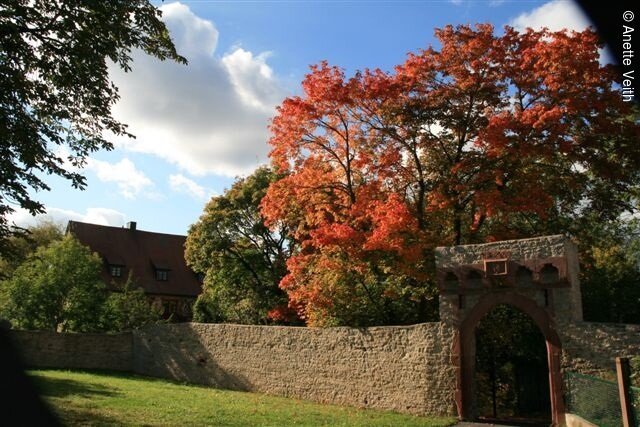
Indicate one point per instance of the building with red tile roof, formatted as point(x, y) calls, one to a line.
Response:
point(155, 261)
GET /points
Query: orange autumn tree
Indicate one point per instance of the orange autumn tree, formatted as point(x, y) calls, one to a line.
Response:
point(488, 137)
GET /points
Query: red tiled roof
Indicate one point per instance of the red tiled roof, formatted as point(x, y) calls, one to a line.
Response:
point(140, 252)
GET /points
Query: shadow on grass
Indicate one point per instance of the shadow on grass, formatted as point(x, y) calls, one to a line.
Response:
point(85, 417)
point(59, 387)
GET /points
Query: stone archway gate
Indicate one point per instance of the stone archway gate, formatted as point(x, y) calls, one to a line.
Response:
point(539, 276)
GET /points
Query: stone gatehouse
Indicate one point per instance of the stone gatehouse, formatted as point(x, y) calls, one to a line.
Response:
point(420, 369)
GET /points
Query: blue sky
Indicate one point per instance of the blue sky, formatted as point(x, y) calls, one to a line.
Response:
point(200, 126)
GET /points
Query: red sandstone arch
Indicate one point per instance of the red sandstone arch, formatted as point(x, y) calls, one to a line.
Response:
point(465, 350)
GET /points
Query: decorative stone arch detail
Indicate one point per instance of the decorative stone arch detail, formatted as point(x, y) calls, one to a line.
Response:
point(474, 279)
point(538, 276)
point(549, 272)
point(524, 277)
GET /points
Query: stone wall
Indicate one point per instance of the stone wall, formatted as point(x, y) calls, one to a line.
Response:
point(42, 349)
point(591, 348)
point(407, 369)
point(413, 369)
point(402, 368)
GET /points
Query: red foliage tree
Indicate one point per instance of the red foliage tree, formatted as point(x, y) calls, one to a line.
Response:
point(476, 141)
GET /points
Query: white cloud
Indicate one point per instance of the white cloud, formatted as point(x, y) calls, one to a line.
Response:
point(208, 117)
point(555, 15)
point(130, 180)
point(181, 184)
point(102, 216)
point(252, 79)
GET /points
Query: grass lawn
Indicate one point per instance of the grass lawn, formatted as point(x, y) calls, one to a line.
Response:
point(92, 398)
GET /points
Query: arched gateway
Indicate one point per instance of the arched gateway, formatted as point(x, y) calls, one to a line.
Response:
point(538, 276)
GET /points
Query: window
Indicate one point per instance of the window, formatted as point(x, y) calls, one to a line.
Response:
point(162, 275)
point(171, 306)
point(115, 270)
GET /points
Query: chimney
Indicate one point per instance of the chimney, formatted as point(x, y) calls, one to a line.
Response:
point(131, 225)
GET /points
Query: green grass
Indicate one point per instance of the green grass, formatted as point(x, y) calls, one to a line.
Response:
point(92, 398)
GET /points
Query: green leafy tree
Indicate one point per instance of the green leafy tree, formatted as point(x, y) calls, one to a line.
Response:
point(243, 260)
point(24, 244)
point(55, 89)
point(129, 308)
point(610, 273)
point(58, 288)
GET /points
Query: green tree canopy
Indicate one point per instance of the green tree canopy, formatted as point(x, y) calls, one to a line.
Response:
point(243, 260)
point(610, 272)
point(57, 288)
point(55, 89)
point(128, 308)
point(24, 244)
